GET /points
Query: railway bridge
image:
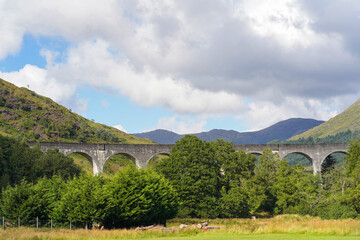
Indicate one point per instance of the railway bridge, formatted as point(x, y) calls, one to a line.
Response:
point(98, 154)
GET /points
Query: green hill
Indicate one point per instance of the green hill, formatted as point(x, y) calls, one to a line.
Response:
point(27, 115)
point(348, 120)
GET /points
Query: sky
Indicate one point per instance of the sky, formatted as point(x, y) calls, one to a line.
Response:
point(186, 66)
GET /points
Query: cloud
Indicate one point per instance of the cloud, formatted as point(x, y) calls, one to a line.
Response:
point(92, 62)
point(121, 128)
point(264, 114)
point(181, 124)
point(39, 80)
point(291, 58)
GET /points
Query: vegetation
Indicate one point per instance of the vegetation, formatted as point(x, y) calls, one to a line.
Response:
point(131, 198)
point(198, 180)
point(280, 227)
point(347, 120)
point(213, 180)
point(115, 162)
point(18, 162)
point(29, 116)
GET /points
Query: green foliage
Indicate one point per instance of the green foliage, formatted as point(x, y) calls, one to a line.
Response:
point(286, 186)
point(131, 198)
point(195, 174)
point(106, 135)
point(138, 198)
point(81, 200)
point(353, 157)
point(267, 166)
point(117, 161)
point(34, 117)
point(154, 161)
point(28, 200)
point(204, 180)
point(55, 163)
point(341, 137)
point(208, 177)
point(234, 204)
point(346, 121)
point(235, 166)
point(18, 161)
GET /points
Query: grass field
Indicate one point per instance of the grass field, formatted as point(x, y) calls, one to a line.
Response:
point(281, 227)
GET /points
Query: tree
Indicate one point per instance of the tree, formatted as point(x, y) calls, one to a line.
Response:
point(353, 156)
point(235, 166)
point(328, 165)
point(138, 198)
point(261, 193)
point(286, 186)
point(81, 200)
point(194, 172)
point(28, 200)
point(233, 204)
point(267, 167)
point(54, 163)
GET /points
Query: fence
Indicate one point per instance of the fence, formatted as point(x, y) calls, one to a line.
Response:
point(38, 223)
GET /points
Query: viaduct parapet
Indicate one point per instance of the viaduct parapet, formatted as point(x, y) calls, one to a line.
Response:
point(98, 154)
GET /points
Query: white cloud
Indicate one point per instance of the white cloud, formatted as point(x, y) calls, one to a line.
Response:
point(121, 128)
point(37, 79)
point(292, 58)
point(264, 114)
point(92, 62)
point(181, 124)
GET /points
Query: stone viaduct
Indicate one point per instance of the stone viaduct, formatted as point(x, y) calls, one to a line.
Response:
point(98, 154)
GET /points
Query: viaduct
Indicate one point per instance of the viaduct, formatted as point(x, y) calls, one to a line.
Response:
point(98, 154)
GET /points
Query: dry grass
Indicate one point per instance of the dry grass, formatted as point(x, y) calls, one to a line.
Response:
point(23, 233)
point(284, 224)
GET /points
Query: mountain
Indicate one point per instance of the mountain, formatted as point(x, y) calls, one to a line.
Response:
point(279, 131)
point(348, 120)
point(27, 115)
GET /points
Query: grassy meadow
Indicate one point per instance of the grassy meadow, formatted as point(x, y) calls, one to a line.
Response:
point(280, 227)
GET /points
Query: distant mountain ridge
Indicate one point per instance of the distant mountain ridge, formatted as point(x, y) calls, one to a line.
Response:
point(280, 131)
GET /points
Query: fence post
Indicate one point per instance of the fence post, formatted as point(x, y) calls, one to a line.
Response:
point(70, 225)
point(51, 224)
point(18, 221)
point(37, 222)
point(3, 222)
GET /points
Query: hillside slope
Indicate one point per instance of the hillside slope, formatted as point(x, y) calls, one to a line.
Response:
point(279, 131)
point(27, 115)
point(343, 122)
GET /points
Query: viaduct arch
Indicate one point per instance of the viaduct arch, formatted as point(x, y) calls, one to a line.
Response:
point(142, 153)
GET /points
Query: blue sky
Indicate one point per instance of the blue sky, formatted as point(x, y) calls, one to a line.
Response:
point(185, 66)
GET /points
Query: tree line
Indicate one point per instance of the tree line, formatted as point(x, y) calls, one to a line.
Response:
point(198, 180)
point(130, 198)
point(213, 180)
point(18, 161)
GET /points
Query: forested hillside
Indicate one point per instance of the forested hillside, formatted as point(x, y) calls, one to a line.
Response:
point(27, 115)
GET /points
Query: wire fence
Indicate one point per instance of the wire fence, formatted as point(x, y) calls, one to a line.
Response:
point(48, 223)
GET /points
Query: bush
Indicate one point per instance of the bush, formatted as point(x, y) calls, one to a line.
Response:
point(138, 198)
point(336, 211)
point(234, 203)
